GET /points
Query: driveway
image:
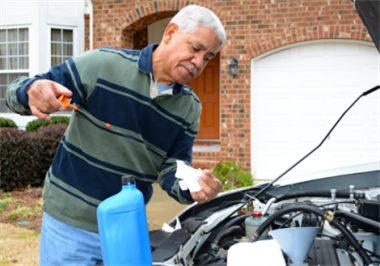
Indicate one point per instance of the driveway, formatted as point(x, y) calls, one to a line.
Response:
point(161, 208)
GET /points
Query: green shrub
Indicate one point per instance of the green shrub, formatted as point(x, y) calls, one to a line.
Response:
point(6, 122)
point(35, 124)
point(26, 156)
point(232, 175)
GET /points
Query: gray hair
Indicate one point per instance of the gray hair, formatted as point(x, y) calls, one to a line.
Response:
point(192, 16)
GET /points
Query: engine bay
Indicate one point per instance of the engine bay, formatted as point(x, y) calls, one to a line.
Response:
point(221, 232)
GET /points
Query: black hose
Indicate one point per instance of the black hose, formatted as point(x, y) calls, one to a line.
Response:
point(290, 218)
point(235, 221)
point(351, 239)
point(337, 203)
point(232, 230)
point(318, 193)
point(373, 225)
point(322, 205)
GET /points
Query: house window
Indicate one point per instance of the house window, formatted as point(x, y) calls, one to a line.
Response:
point(14, 59)
point(61, 46)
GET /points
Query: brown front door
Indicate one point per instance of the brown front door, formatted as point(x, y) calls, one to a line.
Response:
point(206, 86)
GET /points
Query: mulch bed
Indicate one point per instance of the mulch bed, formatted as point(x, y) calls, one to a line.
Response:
point(30, 197)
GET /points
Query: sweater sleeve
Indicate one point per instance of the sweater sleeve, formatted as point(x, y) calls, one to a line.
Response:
point(16, 98)
point(76, 74)
point(181, 150)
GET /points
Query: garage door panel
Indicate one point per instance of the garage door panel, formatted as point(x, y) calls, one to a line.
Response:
point(373, 134)
point(299, 93)
point(347, 136)
point(348, 77)
point(339, 103)
point(309, 134)
point(284, 56)
point(369, 54)
point(273, 167)
point(349, 51)
point(369, 74)
point(309, 107)
point(273, 107)
point(270, 166)
point(271, 137)
point(305, 79)
point(372, 106)
point(269, 83)
point(308, 52)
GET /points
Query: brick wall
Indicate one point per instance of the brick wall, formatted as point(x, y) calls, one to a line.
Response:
point(86, 32)
point(253, 27)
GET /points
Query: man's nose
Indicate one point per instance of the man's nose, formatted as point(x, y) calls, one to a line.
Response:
point(198, 61)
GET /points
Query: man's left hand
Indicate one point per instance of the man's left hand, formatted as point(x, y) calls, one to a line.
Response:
point(210, 185)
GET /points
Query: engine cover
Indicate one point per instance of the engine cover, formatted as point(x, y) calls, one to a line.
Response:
point(326, 252)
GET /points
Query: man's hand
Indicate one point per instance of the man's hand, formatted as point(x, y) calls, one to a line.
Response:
point(43, 95)
point(210, 185)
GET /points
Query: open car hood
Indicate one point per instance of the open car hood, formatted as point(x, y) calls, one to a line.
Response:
point(369, 11)
point(352, 169)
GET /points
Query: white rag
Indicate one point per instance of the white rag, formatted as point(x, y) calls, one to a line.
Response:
point(263, 253)
point(189, 177)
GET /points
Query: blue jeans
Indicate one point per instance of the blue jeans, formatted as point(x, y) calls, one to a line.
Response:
point(62, 244)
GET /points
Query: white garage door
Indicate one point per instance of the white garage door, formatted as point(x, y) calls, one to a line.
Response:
point(298, 94)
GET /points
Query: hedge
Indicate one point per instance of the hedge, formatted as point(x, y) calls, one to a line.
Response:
point(7, 122)
point(26, 156)
point(35, 124)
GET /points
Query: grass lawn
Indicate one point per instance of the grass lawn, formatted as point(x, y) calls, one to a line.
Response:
point(18, 246)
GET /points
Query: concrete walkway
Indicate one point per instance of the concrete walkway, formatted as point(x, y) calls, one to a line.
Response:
point(161, 208)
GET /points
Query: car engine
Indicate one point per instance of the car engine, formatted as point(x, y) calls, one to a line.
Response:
point(224, 231)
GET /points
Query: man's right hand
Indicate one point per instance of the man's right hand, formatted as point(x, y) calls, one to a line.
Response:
point(43, 95)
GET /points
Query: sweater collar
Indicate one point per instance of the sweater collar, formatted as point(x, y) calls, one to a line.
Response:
point(145, 64)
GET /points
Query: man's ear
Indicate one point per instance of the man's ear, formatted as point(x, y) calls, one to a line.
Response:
point(170, 30)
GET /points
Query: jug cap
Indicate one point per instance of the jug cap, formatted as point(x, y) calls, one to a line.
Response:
point(127, 179)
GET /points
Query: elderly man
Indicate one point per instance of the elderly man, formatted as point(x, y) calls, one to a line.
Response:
point(154, 120)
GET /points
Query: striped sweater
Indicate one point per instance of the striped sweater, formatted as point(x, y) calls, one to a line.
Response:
point(148, 132)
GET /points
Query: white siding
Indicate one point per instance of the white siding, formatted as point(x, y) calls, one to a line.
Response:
point(40, 17)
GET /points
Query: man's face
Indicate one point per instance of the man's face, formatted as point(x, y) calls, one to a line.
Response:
point(187, 54)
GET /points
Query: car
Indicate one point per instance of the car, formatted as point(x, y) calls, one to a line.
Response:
point(347, 215)
point(325, 218)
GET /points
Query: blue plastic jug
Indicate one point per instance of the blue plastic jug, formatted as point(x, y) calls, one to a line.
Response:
point(123, 227)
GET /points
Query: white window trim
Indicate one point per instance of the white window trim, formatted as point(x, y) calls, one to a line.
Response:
point(13, 71)
point(75, 40)
point(5, 71)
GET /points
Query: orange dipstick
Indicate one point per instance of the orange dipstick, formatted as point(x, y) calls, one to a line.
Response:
point(66, 102)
